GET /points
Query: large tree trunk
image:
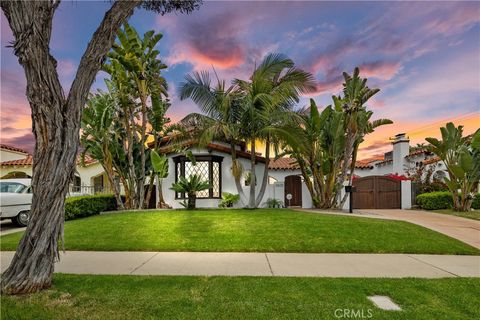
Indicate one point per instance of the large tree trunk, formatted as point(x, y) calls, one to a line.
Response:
point(253, 178)
point(56, 123)
point(237, 173)
point(347, 157)
point(261, 193)
point(143, 131)
point(116, 190)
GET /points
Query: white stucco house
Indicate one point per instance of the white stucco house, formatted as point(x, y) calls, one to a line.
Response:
point(399, 160)
point(90, 177)
point(213, 164)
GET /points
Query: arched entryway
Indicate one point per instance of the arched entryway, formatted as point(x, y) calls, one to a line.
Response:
point(293, 186)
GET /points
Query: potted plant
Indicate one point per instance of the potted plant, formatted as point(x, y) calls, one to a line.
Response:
point(228, 200)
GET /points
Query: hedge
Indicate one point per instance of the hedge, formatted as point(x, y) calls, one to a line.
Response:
point(441, 200)
point(84, 206)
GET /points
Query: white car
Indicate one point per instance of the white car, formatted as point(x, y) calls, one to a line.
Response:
point(16, 200)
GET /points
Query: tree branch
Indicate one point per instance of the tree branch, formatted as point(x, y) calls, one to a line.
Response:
point(95, 53)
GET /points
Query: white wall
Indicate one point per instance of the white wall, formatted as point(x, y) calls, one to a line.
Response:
point(406, 192)
point(275, 190)
point(8, 155)
point(228, 182)
point(7, 169)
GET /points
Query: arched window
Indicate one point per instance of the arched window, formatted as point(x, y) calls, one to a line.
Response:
point(208, 167)
point(15, 174)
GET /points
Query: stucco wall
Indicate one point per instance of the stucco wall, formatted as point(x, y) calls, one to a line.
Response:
point(7, 169)
point(275, 190)
point(7, 155)
point(228, 182)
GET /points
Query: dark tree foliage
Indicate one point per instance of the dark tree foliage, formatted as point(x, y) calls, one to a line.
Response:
point(165, 6)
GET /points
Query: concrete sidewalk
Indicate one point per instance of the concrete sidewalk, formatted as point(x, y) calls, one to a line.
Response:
point(264, 264)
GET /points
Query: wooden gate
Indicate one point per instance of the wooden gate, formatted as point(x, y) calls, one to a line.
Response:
point(377, 192)
point(293, 186)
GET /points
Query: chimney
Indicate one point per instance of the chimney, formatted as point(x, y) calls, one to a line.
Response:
point(401, 149)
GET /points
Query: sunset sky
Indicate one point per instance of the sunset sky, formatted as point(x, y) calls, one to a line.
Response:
point(425, 57)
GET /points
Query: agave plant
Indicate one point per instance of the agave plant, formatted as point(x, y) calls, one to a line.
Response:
point(190, 186)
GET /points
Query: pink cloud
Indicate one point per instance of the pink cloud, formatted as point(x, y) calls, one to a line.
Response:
point(383, 70)
point(66, 68)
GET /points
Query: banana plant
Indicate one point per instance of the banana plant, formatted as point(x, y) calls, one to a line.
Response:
point(160, 172)
point(135, 71)
point(461, 156)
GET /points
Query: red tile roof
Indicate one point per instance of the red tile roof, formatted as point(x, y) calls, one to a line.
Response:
point(368, 163)
point(431, 160)
point(417, 153)
point(211, 146)
point(28, 161)
point(11, 148)
point(283, 164)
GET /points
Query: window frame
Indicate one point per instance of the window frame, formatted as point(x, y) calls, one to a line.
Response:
point(199, 158)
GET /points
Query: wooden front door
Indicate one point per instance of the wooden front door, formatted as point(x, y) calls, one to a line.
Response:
point(293, 186)
point(377, 192)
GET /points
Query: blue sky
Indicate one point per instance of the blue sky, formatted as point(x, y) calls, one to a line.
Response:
point(425, 57)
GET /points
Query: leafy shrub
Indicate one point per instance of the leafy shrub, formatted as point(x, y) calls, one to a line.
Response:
point(84, 206)
point(274, 203)
point(476, 201)
point(441, 200)
point(435, 200)
point(228, 200)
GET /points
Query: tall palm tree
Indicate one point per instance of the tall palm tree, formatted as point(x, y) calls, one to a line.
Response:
point(268, 97)
point(221, 109)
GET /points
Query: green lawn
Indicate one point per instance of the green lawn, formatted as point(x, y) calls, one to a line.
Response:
point(154, 297)
point(249, 231)
point(475, 214)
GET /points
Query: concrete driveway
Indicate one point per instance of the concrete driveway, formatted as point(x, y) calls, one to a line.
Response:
point(465, 230)
point(7, 227)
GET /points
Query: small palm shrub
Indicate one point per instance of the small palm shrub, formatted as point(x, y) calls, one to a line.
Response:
point(274, 203)
point(190, 187)
point(228, 200)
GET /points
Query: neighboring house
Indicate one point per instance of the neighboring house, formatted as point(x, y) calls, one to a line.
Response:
point(398, 160)
point(90, 178)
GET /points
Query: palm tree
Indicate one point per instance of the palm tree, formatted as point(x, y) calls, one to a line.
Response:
point(190, 187)
point(267, 100)
point(221, 109)
point(355, 94)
